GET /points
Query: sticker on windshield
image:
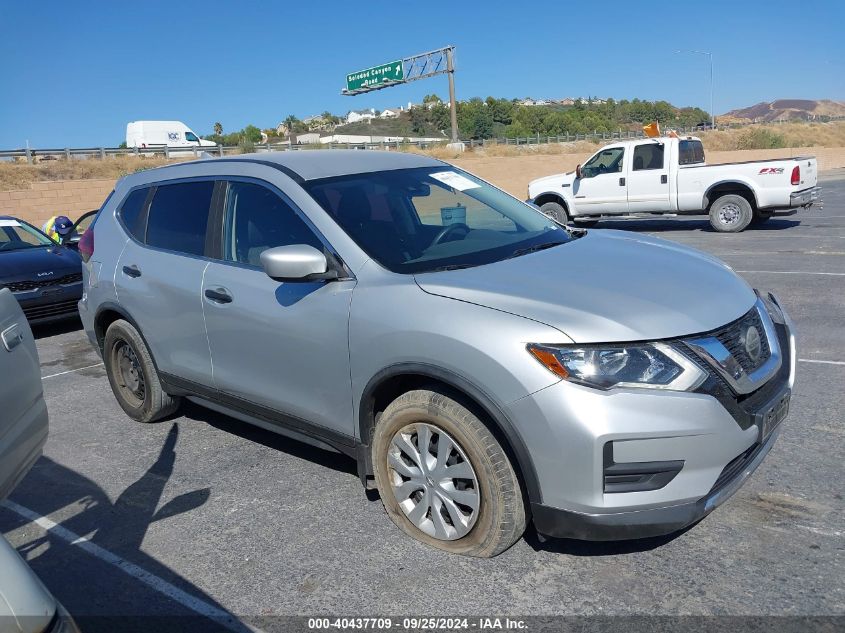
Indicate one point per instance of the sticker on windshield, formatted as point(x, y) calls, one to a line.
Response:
point(9, 223)
point(455, 180)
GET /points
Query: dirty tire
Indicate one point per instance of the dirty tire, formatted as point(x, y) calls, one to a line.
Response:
point(500, 518)
point(555, 211)
point(730, 214)
point(132, 375)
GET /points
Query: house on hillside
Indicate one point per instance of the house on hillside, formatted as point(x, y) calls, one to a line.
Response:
point(568, 101)
point(354, 116)
point(390, 113)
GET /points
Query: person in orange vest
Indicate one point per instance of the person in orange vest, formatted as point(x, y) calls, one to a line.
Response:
point(58, 228)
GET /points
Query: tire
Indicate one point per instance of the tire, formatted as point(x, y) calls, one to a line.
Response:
point(555, 211)
point(761, 216)
point(490, 483)
point(132, 375)
point(730, 214)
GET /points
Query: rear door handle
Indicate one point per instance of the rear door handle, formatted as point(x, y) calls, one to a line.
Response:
point(218, 295)
point(132, 271)
point(663, 179)
point(621, 182)
point(12, 337)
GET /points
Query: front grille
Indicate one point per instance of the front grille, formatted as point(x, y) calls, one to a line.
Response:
point(51, 310)
point(735, 468)
point(34, 284)
point(732, 336)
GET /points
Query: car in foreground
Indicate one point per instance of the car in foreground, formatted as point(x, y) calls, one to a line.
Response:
point(25, 604)
point(483, 364)
point(45, 277)
point(669, 176)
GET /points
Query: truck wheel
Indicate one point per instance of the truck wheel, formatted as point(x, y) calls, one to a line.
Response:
point(730, 214)
point(555, 211)
point(443, 478)
point(132, 375)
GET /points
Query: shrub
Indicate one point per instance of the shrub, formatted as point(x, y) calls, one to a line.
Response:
point(760, 138)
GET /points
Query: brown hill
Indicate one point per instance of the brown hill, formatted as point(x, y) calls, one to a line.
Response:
point(803, 109)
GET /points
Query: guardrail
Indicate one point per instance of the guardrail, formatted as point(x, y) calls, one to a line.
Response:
point(67, 153)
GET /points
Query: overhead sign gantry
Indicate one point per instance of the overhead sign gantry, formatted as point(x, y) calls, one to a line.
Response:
point(402, 71)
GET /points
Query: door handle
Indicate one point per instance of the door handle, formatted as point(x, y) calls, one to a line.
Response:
point(12, 337)
point(132, 271)
point(218, 295)
point(664, 179)
point(621, 182)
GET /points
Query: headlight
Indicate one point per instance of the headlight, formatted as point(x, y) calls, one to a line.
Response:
point(652, 366)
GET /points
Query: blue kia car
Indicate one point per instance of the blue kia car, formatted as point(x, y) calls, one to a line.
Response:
point(45, 277)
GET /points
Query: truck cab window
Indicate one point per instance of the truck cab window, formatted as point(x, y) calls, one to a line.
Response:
point(606, 161)
point(190, 136)
point(648, 156)
point(690, 152)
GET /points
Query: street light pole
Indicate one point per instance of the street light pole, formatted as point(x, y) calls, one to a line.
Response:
point(710, 55)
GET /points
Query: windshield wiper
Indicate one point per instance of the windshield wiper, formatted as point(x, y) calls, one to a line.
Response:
point(533, 249)
point(451, 267)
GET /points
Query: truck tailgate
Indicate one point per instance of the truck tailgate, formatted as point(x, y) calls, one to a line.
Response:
point(809, 171)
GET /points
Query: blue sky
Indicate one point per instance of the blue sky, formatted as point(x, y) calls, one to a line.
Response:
point(74, 73)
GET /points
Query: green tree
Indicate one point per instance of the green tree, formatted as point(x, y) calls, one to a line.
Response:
point(218, 129)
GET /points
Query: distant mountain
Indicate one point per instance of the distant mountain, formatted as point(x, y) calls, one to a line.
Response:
point(802, 109)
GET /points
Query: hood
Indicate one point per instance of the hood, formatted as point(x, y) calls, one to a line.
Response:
point(550, 183)
point(27, 263)
point(608, 286)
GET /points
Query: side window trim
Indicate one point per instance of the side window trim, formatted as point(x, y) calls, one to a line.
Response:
point(219, 247)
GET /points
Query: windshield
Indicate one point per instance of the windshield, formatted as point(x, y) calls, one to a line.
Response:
point(15, 235)
point(433, 218)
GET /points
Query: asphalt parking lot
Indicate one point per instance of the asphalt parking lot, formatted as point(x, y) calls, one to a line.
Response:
point(203, 514)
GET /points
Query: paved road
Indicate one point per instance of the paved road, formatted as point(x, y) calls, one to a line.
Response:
point(206, 514)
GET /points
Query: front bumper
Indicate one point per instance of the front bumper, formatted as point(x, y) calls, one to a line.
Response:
point(636, 524)
point(805, 198)
point(48, 304)
point(715, 435)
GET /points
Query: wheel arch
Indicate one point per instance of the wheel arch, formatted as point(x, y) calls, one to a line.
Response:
point(729, 187)
point(395, 380)
point(549, 196)
point(108, 313)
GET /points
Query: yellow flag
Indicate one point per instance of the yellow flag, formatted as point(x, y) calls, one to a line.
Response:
point(652, 129)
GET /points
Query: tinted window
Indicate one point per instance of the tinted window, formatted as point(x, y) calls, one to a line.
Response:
point(258, 219)
point(648, 156)
point(130, 213)
point(606, 161)
point(178, 217)
point(690, 152)
point(190, 136)
point(430, 218)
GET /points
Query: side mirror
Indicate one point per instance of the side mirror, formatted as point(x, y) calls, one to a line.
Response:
point(298, 262)
point(578, 171)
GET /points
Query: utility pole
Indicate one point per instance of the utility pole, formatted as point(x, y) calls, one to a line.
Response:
point(453, 106)
point(710, 56)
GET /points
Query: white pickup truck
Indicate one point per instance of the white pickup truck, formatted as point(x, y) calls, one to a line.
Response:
point(669, 176)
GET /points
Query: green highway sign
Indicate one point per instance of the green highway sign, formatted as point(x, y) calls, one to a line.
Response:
point(375, 76)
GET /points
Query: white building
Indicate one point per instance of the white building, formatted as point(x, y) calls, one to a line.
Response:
point(390, 113)
point(360, 115)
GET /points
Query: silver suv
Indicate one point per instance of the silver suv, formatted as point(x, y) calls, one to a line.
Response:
point(484, 365)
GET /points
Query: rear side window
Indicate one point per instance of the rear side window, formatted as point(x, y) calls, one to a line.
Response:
point(648, 156)
point(178, 217)
point(130, 213)
point(690, 152)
